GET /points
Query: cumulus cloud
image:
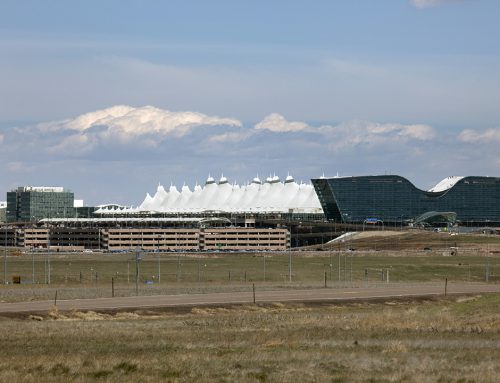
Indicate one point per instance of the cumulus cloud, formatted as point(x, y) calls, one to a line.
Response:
point(277, 123)
point(125, 124)
point(485, 136)
point(129, 121)
point(431, 3)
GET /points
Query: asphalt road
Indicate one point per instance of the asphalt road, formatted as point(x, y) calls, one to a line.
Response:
point(268, 296)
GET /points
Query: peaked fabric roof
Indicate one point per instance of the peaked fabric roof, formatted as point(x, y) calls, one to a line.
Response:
point(271, 196)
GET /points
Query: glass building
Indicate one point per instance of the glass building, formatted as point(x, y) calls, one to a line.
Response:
point(391, 198)
point(29, 203)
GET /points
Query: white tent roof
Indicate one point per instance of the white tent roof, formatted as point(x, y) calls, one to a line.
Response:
point(273, 196)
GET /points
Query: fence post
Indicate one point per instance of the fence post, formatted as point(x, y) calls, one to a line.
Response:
point(112, 287)
point(325, 279)
point(253, 288)
point(445, 286)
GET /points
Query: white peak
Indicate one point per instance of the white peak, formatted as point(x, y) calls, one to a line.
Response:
point(257, 180)
point(223, 180)
point(210, 180)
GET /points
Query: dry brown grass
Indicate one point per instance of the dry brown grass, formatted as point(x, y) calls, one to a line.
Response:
point(419, 341)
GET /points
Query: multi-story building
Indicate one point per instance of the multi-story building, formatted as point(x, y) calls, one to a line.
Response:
point(148, 234)
point(394, 199)
point(29, 204)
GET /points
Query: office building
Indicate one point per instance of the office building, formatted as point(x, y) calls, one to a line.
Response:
point(30, 204)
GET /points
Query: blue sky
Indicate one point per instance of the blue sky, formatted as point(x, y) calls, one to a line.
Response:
point(373, 87)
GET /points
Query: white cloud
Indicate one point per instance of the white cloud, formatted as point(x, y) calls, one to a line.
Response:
point(431, 3)
point(277, 123)
point(130, 122)
point(355, 133)
point(475, 136)
point(231, 136)
point(143, 126)
point(416, 131)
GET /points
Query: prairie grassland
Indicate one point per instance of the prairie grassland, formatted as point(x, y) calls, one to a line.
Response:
point(454, 340)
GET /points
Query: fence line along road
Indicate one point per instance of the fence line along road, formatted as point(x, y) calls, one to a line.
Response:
point(246, 297)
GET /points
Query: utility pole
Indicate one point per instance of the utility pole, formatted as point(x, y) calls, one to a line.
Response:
point(5, 258)
point(137, 260)
point(351, 269)
point(264, 257)
point(199, 271)
point(487, 271)
point(159, 262)
point(178, 268)
point(339, 264)
point(32, 266)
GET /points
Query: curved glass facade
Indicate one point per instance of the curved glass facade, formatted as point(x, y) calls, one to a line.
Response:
point(392, 198)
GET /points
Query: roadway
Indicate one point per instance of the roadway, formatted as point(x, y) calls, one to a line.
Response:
point(265, 296)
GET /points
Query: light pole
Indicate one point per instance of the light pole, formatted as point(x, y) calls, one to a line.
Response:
point(339, 255)
point(33, 265)
point(137, 260)
point(48, 266)
point(331, 264)
point(264, 257)
point(159, 262)
point(5, 258)
point(290, 263)
point(178, 271)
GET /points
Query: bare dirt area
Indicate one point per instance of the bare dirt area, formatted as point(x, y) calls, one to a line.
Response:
point(429, 340)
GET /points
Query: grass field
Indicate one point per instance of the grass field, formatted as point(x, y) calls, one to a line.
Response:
point(90, 275)
point(453, 340)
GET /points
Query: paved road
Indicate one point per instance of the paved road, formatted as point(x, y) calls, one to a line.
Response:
point(311, 295)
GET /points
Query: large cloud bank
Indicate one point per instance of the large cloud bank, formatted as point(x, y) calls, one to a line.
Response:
point(132, 148)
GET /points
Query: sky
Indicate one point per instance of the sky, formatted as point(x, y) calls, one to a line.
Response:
point(110, 98)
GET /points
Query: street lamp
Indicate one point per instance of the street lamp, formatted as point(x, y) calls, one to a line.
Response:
point(290, 259)
point(159, 261)
point(138, 258)
point(5, 257)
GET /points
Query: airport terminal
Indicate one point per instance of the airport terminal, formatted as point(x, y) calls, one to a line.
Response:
point(392, 199)
point(260, 216)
